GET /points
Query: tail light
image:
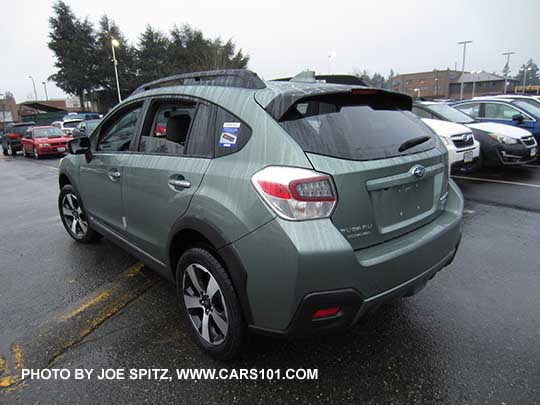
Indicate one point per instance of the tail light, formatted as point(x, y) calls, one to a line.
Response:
point(294, 193)
point(14, 136)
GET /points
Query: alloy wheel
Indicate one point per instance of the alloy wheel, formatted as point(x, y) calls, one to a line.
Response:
point(205, 304)
point(73, 215)
point(10, 151)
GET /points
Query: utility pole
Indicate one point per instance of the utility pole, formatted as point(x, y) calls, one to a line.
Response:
point(464, 43)
point(507, 70)
point(114, 44)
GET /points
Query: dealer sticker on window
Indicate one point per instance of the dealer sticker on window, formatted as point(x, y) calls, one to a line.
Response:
point(229, 134)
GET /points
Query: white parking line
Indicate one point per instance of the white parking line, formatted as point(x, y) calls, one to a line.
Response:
point(515, 183)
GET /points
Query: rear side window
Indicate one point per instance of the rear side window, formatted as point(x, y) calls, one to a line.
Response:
point(201, 139)
point(20, 130)
point(355, 132)
point(231, 134)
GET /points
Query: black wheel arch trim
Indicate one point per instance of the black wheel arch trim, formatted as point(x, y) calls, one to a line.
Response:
point(233, 263)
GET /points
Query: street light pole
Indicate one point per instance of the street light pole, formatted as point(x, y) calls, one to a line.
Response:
point(114, 44)
point(45, 88)
point(507, 54)
point(33, 84)
point(525, 70)
point(464, 43)
point(475, 77)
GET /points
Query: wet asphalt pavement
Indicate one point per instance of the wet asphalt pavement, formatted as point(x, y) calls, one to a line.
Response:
point(472, 335)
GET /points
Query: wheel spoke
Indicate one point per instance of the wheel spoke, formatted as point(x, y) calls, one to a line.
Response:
point(69, 200)
point(83, 225)
point(220, 322)
point(194, 279)
point(74, 226)
point(191, 302)
point(212, 287)
point(67, 212)
point(205, 330)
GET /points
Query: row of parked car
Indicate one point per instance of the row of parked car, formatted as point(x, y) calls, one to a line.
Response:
point(486, 131)
point(43, 140)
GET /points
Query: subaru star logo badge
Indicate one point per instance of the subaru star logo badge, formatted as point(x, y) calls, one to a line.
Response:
point(465, 137)
point(418, 171)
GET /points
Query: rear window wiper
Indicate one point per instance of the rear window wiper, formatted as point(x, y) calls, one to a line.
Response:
point(411, 143)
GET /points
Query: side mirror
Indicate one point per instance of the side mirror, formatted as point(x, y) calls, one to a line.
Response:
point(518, 118)
point(79, 146)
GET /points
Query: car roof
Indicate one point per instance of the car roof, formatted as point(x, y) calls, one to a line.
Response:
point(73, 120)
point(274, 96)
point(21, 124)
point(43, 126)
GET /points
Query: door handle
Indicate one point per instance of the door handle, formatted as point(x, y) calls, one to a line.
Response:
point(177, 183)
point(114, 174)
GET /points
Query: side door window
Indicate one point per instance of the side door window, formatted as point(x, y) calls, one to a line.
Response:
point(117, 134)
point(472, 109)
point(499, 111)
point(166, 131)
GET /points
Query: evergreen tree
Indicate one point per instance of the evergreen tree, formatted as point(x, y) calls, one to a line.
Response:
point(73, 44)
point(532, 75)
point(152, 55)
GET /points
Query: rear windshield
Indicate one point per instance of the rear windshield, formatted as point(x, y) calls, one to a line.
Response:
point(71, 124)
point(355, 132)
point(52, 132)
point(20, 129)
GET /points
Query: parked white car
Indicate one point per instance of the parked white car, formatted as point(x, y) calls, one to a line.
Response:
point(67, 125)
point(463, 149)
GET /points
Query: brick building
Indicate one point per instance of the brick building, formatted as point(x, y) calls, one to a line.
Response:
point(480, 84)
point(432, 84)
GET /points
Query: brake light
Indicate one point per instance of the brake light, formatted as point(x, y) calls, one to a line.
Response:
point(294, 193)
point(364, 91)
point(14, 136)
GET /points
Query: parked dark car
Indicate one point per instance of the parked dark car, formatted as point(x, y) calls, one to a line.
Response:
point(500, 145)
point(85, 128)
point(11, 141)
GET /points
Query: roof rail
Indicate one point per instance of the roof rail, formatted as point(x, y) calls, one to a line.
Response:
point(242, 78)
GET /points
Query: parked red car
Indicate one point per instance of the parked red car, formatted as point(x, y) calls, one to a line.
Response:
point(44, 140)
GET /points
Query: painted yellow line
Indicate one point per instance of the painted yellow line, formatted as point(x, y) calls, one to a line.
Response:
point(515, 183)
point(3, 367)
point(131, 272)
point(18, 356)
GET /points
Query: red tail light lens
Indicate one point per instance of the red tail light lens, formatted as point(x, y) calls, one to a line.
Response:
point(294, 193)
point(14, 136)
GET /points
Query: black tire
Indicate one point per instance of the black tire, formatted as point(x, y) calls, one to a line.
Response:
point(232, 341)
point(24, 152)
point(87, 235)
point(5, 151)
point(12, 152)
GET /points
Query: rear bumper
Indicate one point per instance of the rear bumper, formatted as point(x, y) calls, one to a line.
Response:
point(295, 268)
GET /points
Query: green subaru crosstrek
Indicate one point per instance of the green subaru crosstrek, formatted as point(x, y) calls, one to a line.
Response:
point(287, 208)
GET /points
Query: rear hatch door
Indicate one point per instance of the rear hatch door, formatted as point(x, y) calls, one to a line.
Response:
point(382, 192)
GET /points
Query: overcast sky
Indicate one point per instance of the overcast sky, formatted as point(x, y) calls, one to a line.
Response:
point(285, 37)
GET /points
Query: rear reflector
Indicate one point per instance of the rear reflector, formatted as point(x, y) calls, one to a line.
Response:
point(326, 312)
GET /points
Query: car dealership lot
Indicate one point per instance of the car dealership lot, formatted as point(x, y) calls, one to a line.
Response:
point(471, 335)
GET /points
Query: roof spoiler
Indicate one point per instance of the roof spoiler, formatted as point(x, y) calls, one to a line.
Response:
point(378, 99)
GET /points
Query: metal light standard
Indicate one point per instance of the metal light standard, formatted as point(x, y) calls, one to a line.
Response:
point(45, 88)
point(507, 69)
point(464, 43)
point(475, 77)
point(524, 70)
point(417, 90)
point(33, 84)
point(115, 44)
